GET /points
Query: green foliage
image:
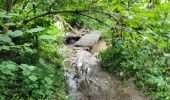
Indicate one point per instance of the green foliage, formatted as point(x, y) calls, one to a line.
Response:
point(16, 33)
point(140, 48)
point(29, 44)
point(28, 82)
point(28, 72)
point(30, 63)
point(34, 30)
point(5, 38)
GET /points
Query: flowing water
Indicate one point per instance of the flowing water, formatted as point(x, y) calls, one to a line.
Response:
point(87, 81)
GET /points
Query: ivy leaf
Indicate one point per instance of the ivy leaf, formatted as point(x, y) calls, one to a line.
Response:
point(16, 33)
point(5, 38)
point(47, 37)
point(34, 30)
point(32, 78)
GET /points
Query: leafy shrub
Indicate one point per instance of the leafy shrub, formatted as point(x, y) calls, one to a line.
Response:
point(28, 82)
point(111, 59)
point(140, 49)
point(148, 68)
point(30, 63)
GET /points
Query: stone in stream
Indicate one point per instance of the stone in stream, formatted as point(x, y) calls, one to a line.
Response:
point(89, 39)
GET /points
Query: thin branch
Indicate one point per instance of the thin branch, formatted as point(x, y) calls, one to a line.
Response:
point(77, 12)
point(54, 12)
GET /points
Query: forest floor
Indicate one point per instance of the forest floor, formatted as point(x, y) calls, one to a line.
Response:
point(87, 81)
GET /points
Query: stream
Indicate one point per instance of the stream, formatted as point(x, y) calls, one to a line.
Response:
point(87, 81)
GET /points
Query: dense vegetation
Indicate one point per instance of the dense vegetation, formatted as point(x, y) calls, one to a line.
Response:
point(141, 47)
point(30, 62)
point(31, 37)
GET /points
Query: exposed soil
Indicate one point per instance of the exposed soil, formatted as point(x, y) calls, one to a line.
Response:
point(99, 47)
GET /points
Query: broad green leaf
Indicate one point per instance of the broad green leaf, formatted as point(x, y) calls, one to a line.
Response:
point(47, 37)
point(31, 68)
point(10, 24)
point(7, 72)
point(29, 50)
point(2, 12)
point(48, 80)
point(166, 55)
point(14, 14)
point(34, 30)
point(11, 67)
point(5, 38)
point(4, 47)
point(27, 67)
point(2, 15)
point(130, 17)
point(26, 72)
point(32, 78)
point(16, 33)
point(42, 61)
point(27, 44)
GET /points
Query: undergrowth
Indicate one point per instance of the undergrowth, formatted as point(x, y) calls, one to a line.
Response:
point(30, 63)
point(140, 48)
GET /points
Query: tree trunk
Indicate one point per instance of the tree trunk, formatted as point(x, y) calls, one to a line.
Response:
point(9, 4)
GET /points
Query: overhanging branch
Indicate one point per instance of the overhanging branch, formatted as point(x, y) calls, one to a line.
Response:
point(77, 12)
point(55, 12)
